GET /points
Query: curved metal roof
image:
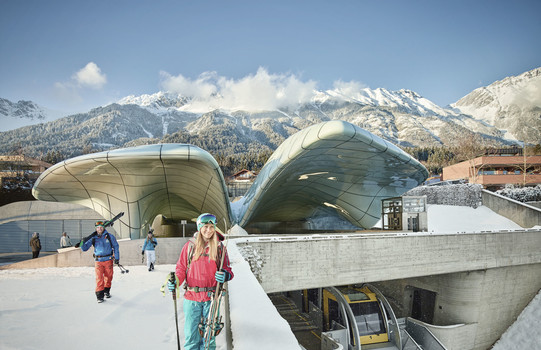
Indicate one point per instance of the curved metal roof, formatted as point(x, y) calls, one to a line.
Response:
point(333, 166)
point(178, 181)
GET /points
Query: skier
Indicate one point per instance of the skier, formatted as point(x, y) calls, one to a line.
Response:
point(149, 248)
point(105, 251)
point(198, 265)
point(35, 243)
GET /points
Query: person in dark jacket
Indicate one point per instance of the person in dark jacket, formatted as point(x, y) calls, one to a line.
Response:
point(105, 253)
point(35, 244)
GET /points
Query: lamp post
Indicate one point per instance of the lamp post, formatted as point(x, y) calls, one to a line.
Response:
point(183, 222)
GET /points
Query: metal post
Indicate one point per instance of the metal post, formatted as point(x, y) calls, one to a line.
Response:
point(183, 222)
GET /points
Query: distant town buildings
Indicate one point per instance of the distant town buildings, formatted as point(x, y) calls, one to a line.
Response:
point(239, 183)
point(18, 166)
point(496, 168)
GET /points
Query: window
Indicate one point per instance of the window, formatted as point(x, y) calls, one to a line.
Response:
point(335, 314)
point(368, 317)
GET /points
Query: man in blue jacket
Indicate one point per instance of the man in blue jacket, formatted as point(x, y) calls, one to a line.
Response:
point(105, 252)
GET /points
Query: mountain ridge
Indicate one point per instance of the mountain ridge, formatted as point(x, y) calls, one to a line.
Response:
point(402, 117)
point(512, 104)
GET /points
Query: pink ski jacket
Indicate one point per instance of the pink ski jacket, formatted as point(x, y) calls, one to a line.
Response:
point(201, 272)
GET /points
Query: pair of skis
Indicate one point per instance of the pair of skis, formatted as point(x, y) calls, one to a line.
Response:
point(105, 224)
point(212, 325)
point(110, 223)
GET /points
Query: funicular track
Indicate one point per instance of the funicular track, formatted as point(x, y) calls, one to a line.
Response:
point(304, 329)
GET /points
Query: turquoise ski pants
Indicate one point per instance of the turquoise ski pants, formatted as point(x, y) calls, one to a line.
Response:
point(193, 311)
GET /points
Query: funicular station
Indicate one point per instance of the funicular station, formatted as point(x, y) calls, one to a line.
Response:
point(346, 281)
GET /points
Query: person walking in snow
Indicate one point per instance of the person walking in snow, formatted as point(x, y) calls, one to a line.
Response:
point(105, 252)
point(149, 249)
point(35, 244)
point(65, 241)
point(198, 266)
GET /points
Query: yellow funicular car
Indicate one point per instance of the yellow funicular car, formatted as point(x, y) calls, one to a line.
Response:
point(362, 315)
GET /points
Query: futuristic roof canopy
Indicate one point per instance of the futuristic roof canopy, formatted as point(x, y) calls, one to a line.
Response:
point(178, 181)
point(334, 167)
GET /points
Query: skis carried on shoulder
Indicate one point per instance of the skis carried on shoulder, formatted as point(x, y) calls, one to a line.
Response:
point(105, 224)
point(111, 222)
point(213, 325)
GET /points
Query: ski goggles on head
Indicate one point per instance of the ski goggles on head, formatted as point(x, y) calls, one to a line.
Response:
point(204, 219)
point(99, 223)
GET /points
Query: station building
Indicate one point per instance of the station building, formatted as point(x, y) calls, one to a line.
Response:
point(496, 168)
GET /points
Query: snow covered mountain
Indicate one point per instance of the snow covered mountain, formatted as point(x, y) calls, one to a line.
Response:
point(402, 117)
point(498, 113)
point(513, 105)
point(23, 113)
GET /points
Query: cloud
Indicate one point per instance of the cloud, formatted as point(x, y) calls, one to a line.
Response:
point(201, 88)
point(90, 76)
point(260, 91)
point(351, 88)
point(73, 92)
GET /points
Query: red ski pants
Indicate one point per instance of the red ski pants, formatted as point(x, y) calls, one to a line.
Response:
point(104, 274)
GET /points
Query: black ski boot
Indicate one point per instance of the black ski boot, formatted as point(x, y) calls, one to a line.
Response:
point(107, 292)
point(151, 266)
point(99, 295)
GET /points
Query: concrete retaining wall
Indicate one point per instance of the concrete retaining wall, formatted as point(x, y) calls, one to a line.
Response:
point(525, 215)
point(455, 337)
point(167, 252)
point(473, 308)
point(293, 263)
point(452, 194)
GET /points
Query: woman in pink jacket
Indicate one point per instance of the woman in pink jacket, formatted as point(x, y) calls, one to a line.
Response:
point(199, 267)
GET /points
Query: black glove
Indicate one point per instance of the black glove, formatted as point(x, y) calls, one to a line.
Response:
point(116, 261)
point(143, 252)
point(77, 245)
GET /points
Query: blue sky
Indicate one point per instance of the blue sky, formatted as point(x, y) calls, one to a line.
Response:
point(76, 55)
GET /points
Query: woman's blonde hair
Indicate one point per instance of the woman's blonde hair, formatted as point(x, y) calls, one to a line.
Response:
point(200, 246)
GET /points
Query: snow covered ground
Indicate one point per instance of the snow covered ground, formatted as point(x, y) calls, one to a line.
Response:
point(55, 308)
point(453, 219)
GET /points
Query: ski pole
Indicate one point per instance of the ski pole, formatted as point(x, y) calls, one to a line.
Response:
point(172, 279)
point(122, 269)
